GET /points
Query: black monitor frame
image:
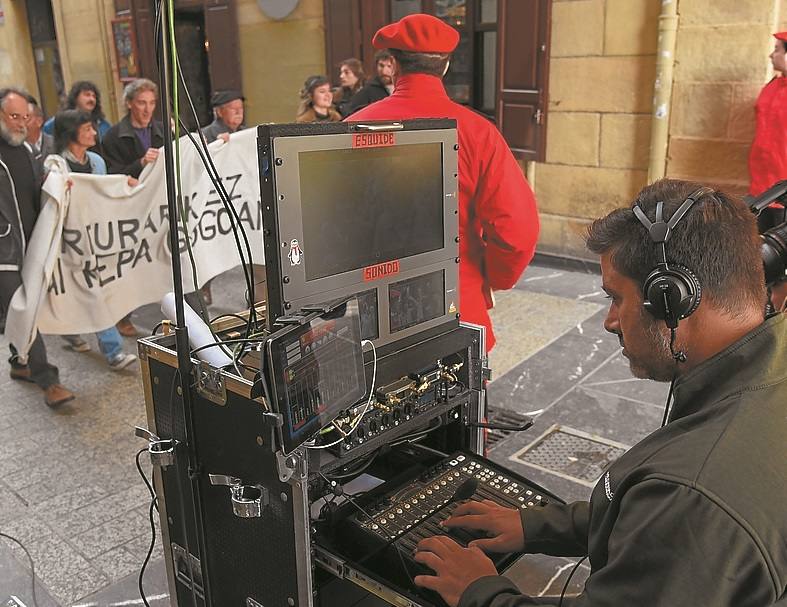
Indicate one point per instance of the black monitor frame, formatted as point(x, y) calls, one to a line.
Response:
point(279, 147)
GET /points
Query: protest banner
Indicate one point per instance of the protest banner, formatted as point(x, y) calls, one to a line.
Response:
point(100, 248)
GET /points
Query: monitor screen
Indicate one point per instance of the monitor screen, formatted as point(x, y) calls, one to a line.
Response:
point(317, 371)
point(361, 207)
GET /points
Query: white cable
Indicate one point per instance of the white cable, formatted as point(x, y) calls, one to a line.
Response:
point(365, 409)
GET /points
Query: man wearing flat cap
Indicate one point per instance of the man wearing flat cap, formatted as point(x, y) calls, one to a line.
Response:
point(228, 115)
point(498, 220)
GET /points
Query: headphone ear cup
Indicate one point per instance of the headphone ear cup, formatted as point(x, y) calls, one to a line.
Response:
point(671, 294)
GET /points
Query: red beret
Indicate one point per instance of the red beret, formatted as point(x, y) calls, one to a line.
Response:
point(781, 36)
point(417, 34)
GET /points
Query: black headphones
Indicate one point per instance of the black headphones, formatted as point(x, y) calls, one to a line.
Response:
point(671, 292)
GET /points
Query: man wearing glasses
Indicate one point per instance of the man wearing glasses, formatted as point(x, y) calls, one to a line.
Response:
point(20, 201)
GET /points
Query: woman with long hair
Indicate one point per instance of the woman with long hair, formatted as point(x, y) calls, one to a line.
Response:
point(352, 78)
point(317, 101)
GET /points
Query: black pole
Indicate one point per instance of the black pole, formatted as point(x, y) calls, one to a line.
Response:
point(181, 330)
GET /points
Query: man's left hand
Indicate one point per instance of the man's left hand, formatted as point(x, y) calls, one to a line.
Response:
point(455, 567)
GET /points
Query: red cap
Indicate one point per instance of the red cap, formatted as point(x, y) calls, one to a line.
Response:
point(781, 36)
point(417, 34)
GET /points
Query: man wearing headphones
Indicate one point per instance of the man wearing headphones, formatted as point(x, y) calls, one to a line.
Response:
point(694, 513)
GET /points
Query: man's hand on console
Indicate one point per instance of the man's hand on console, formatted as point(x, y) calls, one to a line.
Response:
point(455, 567)
point(503, 525)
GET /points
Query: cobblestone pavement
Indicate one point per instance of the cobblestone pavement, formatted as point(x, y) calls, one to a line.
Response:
point(70, 492)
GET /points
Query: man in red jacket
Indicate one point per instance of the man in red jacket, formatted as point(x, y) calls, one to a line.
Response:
point(498, 220)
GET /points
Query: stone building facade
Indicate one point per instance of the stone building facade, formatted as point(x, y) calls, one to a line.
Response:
point(601, 87)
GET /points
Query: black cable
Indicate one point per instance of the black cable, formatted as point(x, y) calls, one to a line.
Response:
point(29, 558)
point(153, 503)
point(242, 340)
point(358, 469)
point(229, 315)
point(224, 196)
point(568, 579)
point(156, 328)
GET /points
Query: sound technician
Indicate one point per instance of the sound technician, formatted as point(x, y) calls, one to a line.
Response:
point(694, 514)
point(498, 220)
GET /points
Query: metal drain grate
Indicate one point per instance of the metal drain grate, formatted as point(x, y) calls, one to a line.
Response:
point(571, 454)
point(501, 416)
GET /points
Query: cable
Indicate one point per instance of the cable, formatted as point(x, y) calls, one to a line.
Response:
point(29, 558)
point(153, 504)
point(358, 419)
point(568, 579)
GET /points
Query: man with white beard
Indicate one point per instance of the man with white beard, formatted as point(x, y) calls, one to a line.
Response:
point(20, 202)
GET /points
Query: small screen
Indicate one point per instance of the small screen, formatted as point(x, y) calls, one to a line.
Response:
point(317, 371)
point(416, 300)
point(364, 206)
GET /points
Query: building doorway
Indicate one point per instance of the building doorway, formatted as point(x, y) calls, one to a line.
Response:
point(43, 38)
point(193, 57)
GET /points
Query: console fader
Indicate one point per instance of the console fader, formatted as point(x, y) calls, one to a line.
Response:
point(411, 513)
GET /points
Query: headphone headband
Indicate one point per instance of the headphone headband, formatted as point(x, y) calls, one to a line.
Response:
point(670, 292)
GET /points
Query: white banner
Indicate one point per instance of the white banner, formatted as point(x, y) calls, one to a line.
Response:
point(112, 254)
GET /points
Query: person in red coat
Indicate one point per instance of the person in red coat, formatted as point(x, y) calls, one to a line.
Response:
point(498, 219)
point(768, 156)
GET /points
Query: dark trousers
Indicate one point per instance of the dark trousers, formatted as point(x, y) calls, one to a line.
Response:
point(42, 373)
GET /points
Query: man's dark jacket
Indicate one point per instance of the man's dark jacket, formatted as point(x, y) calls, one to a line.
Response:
point(12, 236)
point(696, 513)
point(373, 90)
point(123, 150)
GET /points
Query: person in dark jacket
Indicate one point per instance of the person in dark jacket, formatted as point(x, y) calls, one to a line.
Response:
point(228, 115)
point(133, 143)
point(20, 200)
point(376, 88)
point(352, 79)
point(694, 513)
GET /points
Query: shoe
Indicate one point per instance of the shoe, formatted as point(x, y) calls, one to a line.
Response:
point(126, 328)
point(56, 395)
point(22, 373)
point(76, 343)
point(121, 361)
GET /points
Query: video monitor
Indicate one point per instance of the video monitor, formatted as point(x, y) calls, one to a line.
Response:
point(363, 209)
point(316, 371)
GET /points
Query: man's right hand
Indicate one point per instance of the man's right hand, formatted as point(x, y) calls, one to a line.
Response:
point(503, 525)
point(150, 156)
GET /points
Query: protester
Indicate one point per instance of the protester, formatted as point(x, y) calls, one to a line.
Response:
point(352, 79)
point(498, 220)
point(74, 136)
point(20, 200)
point(694, 513)
point(228, 115)
point(39, 143)
point(85, 96)
point(317, 101)
point(376, 88)
point(133, 143)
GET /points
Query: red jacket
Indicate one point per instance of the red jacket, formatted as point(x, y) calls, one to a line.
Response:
point(768, 156)
point(498, 220)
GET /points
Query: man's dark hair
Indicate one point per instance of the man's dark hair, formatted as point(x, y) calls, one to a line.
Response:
point(67, 123)
point(80, 86)
point(717, 240)
point(382, 54)
point(421, 63)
